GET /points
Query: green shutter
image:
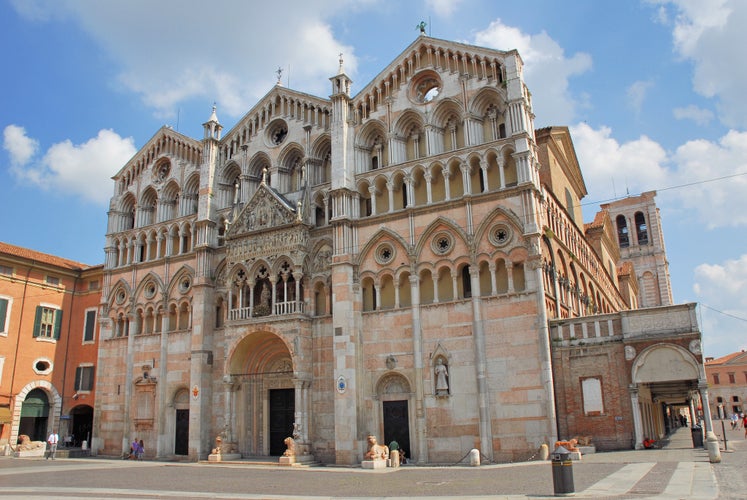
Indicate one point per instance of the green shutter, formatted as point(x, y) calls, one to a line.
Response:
point(37, 320)
point(77, 377)
point(3, 313)
point(57, 323)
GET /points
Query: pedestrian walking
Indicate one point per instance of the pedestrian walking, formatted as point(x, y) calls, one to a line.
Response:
point(140, 450)
point(52, 440)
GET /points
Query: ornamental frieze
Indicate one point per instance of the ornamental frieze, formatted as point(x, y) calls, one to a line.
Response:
point(289, 242)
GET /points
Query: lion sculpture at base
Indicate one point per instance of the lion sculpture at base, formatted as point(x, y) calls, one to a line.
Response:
point(25, 443)
point(376, 451)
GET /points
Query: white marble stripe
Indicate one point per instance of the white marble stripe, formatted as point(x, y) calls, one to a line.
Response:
point(619, 482)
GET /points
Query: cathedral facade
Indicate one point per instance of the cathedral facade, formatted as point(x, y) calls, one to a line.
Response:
point(382, 263)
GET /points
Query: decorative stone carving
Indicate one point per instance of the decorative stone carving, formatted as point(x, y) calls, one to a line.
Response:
point(25, 443)
point(629, 352)
point(695, 347)
point(376, 451)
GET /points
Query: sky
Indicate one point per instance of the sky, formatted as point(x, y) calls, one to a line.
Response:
point(652, 90)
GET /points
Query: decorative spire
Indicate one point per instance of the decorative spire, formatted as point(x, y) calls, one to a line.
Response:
point(213, 116)
point(421, 26)
point(340, 70)
point(279, 72)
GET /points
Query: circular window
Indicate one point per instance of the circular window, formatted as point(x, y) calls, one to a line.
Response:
point(425, 87)
point(276, 133)
point(385, 253)
point(184, 284)
point(121, 296)
point(150, 290)
point(161, 171)
point(442, 243)
point(500, 235)
point(42, 366)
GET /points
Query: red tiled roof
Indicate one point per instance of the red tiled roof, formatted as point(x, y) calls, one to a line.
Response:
point(25, 253)
point(725, 359)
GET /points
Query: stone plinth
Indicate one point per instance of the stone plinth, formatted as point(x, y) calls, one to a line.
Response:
point(587, 450)
point(296, 460)
point(373, 464)
point(223, 457)
point(36, 452)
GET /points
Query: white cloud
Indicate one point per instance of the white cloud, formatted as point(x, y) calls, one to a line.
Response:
point(637, 94)
point(722, 290)
point(443, 8)
point(721, 203)
point(708, 178)
point(79, 170)
point(20, 147)
point(612, 169)
point(709, 33)
point(698, 115)
point(547, 69)
point(173, 51)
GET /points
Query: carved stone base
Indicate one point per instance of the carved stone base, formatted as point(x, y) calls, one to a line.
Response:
point(294, 459)
point(37, 452)
point(373, 464)
point(224, 457)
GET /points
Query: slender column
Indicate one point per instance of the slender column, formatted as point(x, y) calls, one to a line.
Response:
point(510, 275)
point(637, 424)
point(486, 433)
point(428, 188)
point(417, 349)
point(372, 192)
point(493, 282)
point(390, 188)
point(447, 188)
point(377, 288)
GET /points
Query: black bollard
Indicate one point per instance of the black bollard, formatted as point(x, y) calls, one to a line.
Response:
point(562, 472)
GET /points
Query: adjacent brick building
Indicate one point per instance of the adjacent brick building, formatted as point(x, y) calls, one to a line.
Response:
point(48, 345)
point(727, 380)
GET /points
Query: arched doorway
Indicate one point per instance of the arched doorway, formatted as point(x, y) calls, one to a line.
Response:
point(664, 377)
point(35, 415)
point(393, 390)
point(181, 422)
point(82, 424)
point(262, 395)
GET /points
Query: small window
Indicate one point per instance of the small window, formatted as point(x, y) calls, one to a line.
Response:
point(89, 330)
point(7, 271)
point(47, 322)
point(84, 378)
point(52, 280)
point(732, 378)
point(715, 379)
point(4, 308)
point(93, 285)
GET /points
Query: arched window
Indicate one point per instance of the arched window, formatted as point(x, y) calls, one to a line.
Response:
point(641, 228)
point(622, 232)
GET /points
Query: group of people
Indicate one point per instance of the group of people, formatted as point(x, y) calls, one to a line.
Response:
point(137, 450)
point(737, 420)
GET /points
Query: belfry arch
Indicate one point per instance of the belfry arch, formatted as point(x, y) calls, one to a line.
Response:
point(265, 401)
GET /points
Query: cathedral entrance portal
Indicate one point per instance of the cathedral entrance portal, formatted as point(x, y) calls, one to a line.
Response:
point(282, 406)
point(264, 399)
point(397, 425)
point(181, 433)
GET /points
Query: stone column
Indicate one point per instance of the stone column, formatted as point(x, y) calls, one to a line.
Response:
point(714, 453)
point(486, 434)
point(417, 349)
point(637, 424)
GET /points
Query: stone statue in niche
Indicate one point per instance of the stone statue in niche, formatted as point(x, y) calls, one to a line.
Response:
point(442, 378)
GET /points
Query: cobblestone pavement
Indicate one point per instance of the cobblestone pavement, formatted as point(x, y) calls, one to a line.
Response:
point(678, 471)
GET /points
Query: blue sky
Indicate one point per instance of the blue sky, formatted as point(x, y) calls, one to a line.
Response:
point(652, 91)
